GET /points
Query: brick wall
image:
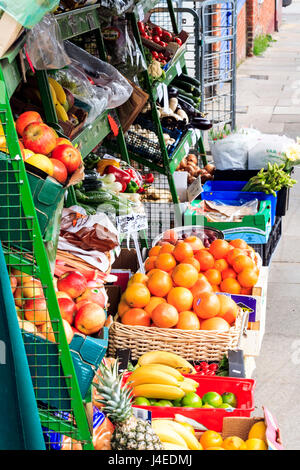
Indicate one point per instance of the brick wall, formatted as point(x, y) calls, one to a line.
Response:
point(241, 34)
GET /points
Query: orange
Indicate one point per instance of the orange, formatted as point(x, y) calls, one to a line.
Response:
point(215, 324)
point(136, 317)
point(152, 271)
point(122, 308)
point(232, 254)
point(242, 262)
point(232, 443)
point(211, 439)
point(185, 275)
point(219, 249)
point(202, 276)
point(165, 262)
point(205, 259)
point(232, 286)
point(137, 295)
point(239, 243)
point(206, 305)
point(195, 243)
point(229, 309)
point(170, 236)
point(215, 288)
point(215, 448)
point(181, 298)
point(201, 286)
point(188, 321)
point(221, 265)
point(182, 250)
point(228, 273)
point(150, 263)
point(138, 277)
point(248, 277)
point(155, 250)
point(246, 291)
point(193, 262)
point(213, 276)
point(159, 284)
point(165, 316)
point(167, 248)
point(154, 302)
point(42, 162)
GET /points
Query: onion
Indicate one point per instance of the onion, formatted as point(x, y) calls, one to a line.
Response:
point(210, 168)
point(192, 158)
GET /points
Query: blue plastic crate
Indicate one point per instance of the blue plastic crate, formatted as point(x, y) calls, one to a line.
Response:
point(231, 191)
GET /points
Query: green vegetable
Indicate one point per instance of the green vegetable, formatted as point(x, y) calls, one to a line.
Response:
point(132, 187)
point(270, 181)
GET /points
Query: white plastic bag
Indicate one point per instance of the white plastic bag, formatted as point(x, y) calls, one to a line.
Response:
point(45, 47)
point(259, 155)
point(231, 153)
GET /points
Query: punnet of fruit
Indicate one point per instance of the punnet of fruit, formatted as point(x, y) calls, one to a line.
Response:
point(42, 148)
point(186, 285)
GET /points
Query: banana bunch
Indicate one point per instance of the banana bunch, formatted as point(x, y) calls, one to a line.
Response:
point(59, 98)
point(175, 436)
point(168, 359)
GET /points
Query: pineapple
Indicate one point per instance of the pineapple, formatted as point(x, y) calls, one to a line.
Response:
point(130, 433)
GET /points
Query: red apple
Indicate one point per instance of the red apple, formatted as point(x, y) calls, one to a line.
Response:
point(59, 171)
point(39, 138)
point(25, 119)
point(69, 156)
point(80, 304)
point(93, 295)
point(13, 283)
point(90, 318)
point(36, 311)
point(63, 141)
point(62, 295)
point(67, 309)
point(73, 283)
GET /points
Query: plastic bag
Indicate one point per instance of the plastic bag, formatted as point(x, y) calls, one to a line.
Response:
point(259, 155)
point(231, 153)
point(45, 46)
point(88, 97)
point(219, 211)
point(28, 12)
point(123, 49)
point(102, 430)
point(105, 76)
point(116, 7)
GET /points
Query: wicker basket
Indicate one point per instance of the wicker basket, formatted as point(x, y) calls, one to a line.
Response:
point(191, 345)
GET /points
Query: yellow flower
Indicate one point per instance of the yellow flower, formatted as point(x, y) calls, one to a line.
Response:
point(293, 152)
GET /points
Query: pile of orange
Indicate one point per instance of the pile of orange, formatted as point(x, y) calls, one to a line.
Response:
point(186, 285)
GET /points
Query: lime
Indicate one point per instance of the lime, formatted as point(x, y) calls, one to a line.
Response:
point(230, 399)
point(177, 402)
point(192, 400)
point(141, 401)
point(213, 399)
point(152, 401)
point(226, 406)
point(207, 406)
point(164, 403)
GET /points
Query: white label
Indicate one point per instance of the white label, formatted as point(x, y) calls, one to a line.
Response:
point(178, 69)
point(194, 137)
point(145, 415)
point(166, 97)
point(132, 223)
point(186, 147)
point(194, 189)
point(141, 14)
point(160, 92)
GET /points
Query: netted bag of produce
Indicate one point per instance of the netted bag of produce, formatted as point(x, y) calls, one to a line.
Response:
point(104, 76)
point(45, 47)
point(28, 12)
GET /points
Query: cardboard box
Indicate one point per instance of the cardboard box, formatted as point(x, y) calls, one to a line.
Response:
point(10, 30)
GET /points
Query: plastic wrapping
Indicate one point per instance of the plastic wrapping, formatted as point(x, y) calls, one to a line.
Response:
point(219, 211)
point(105, 76)
point(102, 430)
point(123, 49)
point(259, 155)
point(45, 46)
point(92, 100)
point(28, 12)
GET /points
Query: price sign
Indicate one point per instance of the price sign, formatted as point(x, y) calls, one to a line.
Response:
point(178, 69)
point(160, 92)
point(132, 223)
point(194, 189)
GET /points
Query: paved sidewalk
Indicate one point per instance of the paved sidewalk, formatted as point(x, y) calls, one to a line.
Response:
point(268, 98)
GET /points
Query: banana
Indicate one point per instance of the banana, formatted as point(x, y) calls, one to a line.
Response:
point(170, 446)
point(187, 387)
point(145, 375)
point(53, 94)
point(167, 434)
point(61, 113)
point(190, 440)
point(192, 382)
point(168, 359)
point(168, 392)
point(166, 369)
point(61, 96)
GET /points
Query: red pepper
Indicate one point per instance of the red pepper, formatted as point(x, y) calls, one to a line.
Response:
point(121, 176)
point(148, 178)
point(133, 175)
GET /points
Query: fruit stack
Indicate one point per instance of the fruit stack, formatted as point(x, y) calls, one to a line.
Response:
point(186, 286)
point(41, 147)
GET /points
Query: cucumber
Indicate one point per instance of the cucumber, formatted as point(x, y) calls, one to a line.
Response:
point(191, 80)
point(183, 85)
point(185, 93)
point(187, 100)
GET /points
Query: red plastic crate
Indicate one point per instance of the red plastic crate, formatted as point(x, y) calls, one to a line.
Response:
point(212, 418)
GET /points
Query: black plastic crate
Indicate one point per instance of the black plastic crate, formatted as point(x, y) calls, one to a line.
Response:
point(283, 196)
point(266, 250)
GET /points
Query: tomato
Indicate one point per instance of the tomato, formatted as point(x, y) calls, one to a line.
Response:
point(162, 44)
point(141, 26)
point(213, 367)
point(154, 54)
point(166, 36)
point(156, 39)
point(203, 365)
point(178, 40)
point(161, 55)
point(157, 30)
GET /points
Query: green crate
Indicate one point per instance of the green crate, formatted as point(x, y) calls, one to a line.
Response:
point(252, 229)
point(47, 195)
